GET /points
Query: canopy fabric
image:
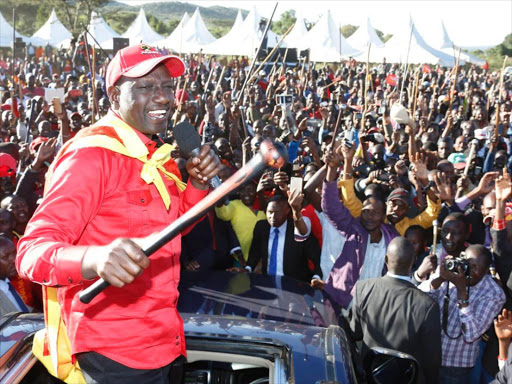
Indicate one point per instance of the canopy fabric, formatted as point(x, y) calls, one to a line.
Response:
point(295, 38)
point(252, 32)
point(326, 42)
point(53, 31)
point(6, 35)
point(140, 31)
point(101, 32)
point(364, 36)
point(439, 38)
point(225, 44)
point(175, 38)
point(195, 35)
point(395, 50)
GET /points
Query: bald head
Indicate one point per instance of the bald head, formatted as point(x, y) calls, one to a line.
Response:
point(400, 256)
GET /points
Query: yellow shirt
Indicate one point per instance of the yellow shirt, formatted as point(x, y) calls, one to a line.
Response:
point(354, 205)
point(243, 220)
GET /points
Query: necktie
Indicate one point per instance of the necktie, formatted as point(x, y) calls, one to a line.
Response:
point(17, 297)
point(272, 264)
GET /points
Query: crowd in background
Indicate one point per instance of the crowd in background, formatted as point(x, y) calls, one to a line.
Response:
point(365, 178)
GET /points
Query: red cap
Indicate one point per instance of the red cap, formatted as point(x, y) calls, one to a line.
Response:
point(177, 95)
point(138, 60)
point(8, 160)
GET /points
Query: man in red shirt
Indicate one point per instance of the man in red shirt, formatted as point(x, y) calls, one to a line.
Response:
point(108, 186)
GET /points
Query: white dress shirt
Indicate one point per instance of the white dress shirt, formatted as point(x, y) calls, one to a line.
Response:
point(373, 259)
point(4, 287)
point(332, 245)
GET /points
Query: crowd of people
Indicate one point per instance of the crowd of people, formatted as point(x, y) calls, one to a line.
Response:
point(404, 221)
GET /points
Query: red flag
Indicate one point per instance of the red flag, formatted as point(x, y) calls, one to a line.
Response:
point(392, 80)
point(486, 65)
point(426, 68)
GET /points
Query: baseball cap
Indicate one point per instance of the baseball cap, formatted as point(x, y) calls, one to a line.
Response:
point(399, 194)
point(138, 60)
point(458, 160)
point(8, 160)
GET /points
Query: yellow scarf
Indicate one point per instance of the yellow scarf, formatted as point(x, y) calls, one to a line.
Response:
point(133, 147)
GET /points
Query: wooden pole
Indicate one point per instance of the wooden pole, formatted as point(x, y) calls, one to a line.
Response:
point(416, 88)
point(218, 83)
point(93, 78)
point(13, 59)
point(452, 92)
point(271, 53)
point(500, 87)
point(366, 87)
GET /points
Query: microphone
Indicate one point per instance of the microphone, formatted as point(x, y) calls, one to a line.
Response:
point(189, 141)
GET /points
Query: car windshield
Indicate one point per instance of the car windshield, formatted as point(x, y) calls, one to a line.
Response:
point(254, 296)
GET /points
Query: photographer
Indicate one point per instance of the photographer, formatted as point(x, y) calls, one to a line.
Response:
point(469, 299)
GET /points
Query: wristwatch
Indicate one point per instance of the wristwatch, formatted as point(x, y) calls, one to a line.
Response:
point(462, 302)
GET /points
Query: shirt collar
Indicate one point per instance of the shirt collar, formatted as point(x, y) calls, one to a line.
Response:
point(4, 285)
point(399, 277)
point(282, 227)
point(129, 139)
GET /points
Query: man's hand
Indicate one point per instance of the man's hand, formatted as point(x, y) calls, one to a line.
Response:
point(348, 152)
point(503, 325)
point(420, 168)
point(45, 152)
point(317, 284)
point(281, 180)
point(503, 186)
point(192, 265)
point(444, 188)
point(118, 263)
point(428, 265)
point(485, 185)
point(401, 168)
point(333, 159)
point(265, 183)
point(458, 279)
point(203, 167)
point(295, 200)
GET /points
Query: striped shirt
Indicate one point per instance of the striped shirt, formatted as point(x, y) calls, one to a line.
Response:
point(485, 302)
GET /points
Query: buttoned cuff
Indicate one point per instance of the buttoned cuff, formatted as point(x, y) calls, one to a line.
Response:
point(234, 250)
point(68, 265)
point(466, 312)
point(249, 269)
point(316, 277)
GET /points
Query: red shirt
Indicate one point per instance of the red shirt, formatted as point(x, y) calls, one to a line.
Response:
point(95, 197)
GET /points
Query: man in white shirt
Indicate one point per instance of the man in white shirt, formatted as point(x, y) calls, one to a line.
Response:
point(283, 244)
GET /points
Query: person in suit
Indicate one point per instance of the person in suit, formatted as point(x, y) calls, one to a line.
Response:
point(390, 312)
point(10, 300)
point(280, 245)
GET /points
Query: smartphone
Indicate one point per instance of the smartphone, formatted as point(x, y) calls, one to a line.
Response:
point(285, 99)
point(359, 116)
point(57, 106)
point(296, 184)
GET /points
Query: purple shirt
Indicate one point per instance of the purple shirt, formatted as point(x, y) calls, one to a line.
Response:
point(347, 268)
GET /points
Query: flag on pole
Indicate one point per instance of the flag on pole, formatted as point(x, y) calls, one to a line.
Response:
point(392, 80)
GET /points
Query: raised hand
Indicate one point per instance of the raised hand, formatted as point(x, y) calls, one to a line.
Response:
point(485, 185)
point(400, 168)
point(444, 188)
point(281, 179)
point(503, 186)
point(503, 325)
point(420, 167)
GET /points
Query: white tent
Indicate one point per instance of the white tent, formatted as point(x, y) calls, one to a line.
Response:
point(176, 36)
point(53, 31)
point(195, 35)
point(438, 37)
point(225, 44)
point(140, 31)
point(295, 38)
point(101, 32)
point(364, 36)
point(395, 50)
point(6, 35)
point(250, 40)
point(326, 42)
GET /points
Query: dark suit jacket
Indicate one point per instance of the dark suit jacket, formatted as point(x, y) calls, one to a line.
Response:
point(296, 257)
point(393, 313)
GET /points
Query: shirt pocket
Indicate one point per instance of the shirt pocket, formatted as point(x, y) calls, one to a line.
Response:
point(138, 215)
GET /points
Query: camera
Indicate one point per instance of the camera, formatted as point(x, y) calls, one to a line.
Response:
point(285, 99)
point(453, 265)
